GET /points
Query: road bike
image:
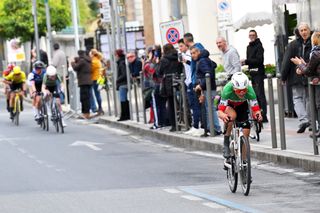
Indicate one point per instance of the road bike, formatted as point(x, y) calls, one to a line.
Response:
point(16, 107)
point(239, 164)
point(56, 116)
point(44, 118)
point(255, 130)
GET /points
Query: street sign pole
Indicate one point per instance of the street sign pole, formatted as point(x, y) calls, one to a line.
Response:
point(75, 24)
point(36, 31)
point(48, 20)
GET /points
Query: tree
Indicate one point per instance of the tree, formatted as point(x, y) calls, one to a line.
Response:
point(16, 20)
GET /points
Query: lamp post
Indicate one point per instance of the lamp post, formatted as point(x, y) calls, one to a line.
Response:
point(49, 34)
point(36, 31)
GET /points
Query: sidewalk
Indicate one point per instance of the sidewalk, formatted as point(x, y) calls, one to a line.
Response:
point(299, 151)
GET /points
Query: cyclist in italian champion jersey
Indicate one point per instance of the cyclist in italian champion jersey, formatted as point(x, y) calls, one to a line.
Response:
point(234, 105)
point(35, 78)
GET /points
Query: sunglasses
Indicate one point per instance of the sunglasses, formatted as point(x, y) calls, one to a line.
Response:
point(241, 91)
point(130, 56)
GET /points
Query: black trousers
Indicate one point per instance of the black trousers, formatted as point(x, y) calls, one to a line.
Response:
point(258, 86)
point(85, 98)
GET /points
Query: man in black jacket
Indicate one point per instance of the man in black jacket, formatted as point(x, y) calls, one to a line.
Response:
point(301, 47)
point(255, 61)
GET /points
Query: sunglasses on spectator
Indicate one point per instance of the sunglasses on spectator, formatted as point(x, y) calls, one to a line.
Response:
point(130, 56)
point(252, 35)
point(241, 91)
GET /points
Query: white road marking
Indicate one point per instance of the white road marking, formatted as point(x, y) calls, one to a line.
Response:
point(91, 145)
point(191, 197)
point(22, 150)
point(214, 205)
point(172, 191)
point(303, 174)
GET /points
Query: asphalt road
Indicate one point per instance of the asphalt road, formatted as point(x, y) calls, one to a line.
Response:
point(95, 168)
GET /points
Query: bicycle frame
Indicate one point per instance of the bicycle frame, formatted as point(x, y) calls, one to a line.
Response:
point(235, 148)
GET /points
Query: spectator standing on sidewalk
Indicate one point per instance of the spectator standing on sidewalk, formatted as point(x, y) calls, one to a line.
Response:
point(206, 65)
point(82, 66)
point(168, 67)
point(186, 59)
point(301, 47)
point(312, 69)
point(121, 85)
point(135, 65)
point(192, 95)
point(59, 60)
point(230, 57)
point(254, 60)
point(96, 67)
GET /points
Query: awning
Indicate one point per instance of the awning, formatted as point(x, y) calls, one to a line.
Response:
point(279, 2)
point(251, 20)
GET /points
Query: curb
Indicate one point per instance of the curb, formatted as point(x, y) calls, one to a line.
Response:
point(304, 161)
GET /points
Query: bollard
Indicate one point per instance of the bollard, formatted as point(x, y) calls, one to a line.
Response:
point(281, 112)
point(210, 107)
point(108, 97)
point(143, 100)
point(272, 112)
point(65, 85)
point(311, 89)
point(175, 103)
point(184, 101)
point(135, 85)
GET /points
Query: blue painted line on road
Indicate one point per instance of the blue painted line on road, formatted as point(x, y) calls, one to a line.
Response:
point(221, 201)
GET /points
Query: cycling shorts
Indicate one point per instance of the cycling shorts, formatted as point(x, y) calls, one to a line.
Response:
point(242, 111)
point(54, 90)
point(14, 87)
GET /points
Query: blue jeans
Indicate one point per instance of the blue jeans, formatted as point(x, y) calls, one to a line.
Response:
point(215, 118)
point(97, 94)
point(123, 92)
point(194, 105)
point(93, 105)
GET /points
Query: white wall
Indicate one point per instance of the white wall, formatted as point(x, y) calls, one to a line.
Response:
point(201, 18)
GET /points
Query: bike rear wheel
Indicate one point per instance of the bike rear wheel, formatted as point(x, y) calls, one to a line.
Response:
point(232, 175)
point(17, 111)
point(45, 120)
point(245, 166)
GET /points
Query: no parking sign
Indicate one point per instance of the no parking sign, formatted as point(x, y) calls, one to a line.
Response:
point(171, 32)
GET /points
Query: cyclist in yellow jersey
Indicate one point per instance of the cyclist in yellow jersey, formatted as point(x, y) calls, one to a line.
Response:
point(16, 80)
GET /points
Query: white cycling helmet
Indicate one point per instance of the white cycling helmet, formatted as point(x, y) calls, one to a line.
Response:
point(239, 80)
point(51, 70)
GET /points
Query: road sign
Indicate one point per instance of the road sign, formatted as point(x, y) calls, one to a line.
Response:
point(172, 35)
point(171, 32)
point(224, 10)
point(105, 11)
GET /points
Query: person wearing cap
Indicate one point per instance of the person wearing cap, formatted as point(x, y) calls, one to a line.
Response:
point(52, 85)
point(16, 80)
point(35, 82)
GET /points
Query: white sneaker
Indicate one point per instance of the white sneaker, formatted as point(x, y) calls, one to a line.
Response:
point(190, 131)
point(64, 123)
point(198, 132)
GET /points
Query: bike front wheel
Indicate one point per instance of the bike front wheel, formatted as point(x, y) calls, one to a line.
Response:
point(232, 175)
point(245, 165)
